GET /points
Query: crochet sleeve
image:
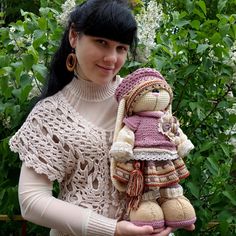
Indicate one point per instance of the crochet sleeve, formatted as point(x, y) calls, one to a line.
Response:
point(40, 144)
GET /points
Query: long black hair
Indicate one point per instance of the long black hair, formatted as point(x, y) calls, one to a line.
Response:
point(111, 19)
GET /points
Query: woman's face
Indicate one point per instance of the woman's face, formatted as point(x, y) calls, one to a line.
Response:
point(99, 59)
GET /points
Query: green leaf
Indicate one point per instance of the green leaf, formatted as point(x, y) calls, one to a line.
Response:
point(40, 72)
point(39, 38)
point(4, 61)
point(194, 189)
point(221, 5)
point(195, 24)
point(34, 53)
point(18, 66)
point(28, 61)
point(202, 47)
point(213, 165)
point(232, 119)
point(199, 13)
point(189, 6)
point(5, 71)
point(224, 228)
point(181, 23)
point(5, 89)
point(25, 93)
point(202, 6)
point(206, 146)
point(190, 69)
point(193, 105)
point(42, 21)
point(225, 149)
point(166, 49)
point(216, 38)
point(230, 196)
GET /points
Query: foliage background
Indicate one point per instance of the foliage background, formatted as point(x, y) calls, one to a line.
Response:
point(193, 51)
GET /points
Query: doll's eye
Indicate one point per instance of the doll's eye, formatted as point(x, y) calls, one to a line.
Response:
point(156, 91)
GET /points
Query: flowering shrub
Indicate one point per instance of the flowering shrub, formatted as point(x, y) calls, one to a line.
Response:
point(148, 21)
point(194, 51)
point(193, 44)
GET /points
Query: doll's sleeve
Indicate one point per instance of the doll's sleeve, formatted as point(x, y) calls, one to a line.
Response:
point(184, 145)
point(132, 122)
point(122, 148)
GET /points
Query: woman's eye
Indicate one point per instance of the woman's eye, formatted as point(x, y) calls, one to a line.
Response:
point(156, 91)
point(101, 41)
point(123, 48)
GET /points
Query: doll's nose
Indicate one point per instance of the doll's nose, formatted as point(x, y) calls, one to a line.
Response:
point(156, 92)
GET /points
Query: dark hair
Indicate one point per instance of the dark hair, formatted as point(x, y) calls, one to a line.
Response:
point(111, 19)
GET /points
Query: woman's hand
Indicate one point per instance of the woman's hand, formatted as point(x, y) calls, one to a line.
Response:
point(125, 228)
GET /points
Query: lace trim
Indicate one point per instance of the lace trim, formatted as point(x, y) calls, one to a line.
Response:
point(154, 156)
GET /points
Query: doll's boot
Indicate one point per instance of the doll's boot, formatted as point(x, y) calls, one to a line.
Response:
point(148, 213)
point(178, 211)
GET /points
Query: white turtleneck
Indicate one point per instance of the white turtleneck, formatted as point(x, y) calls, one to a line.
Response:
point(94, 102)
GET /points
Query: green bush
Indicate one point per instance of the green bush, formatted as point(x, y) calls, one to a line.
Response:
point(193, 45)
point(25, 51)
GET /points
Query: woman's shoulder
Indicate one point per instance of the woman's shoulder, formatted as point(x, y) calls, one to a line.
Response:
point(46, 110)
point(48, 104)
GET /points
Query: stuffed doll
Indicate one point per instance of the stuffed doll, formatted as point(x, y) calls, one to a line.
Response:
point(147, 152)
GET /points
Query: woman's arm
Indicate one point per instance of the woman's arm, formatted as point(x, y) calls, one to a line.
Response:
point(40, 207)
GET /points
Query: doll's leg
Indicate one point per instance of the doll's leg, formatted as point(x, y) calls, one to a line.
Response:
point(148, 212)
point(177, 209)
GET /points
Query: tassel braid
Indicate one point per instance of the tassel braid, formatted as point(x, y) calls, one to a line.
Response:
point(135, 186)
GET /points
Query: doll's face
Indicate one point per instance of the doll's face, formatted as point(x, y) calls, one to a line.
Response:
point(154, 100)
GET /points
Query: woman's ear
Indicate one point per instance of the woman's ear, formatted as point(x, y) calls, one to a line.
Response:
point(73, 35)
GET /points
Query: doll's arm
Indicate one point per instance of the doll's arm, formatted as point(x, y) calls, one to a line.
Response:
point(122, 148)
point(184, 145)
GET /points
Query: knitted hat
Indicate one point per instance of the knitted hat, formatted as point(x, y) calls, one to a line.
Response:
point(139, 82)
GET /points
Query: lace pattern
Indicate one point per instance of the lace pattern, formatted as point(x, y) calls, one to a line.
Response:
point(154, 155)
point(57, 142)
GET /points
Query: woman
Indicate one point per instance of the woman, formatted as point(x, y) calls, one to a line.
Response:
point(67, 136)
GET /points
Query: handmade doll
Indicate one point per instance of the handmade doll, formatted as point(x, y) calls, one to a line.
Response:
point(147, 152)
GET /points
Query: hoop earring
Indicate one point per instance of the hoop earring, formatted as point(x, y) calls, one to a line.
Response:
point(71, 61)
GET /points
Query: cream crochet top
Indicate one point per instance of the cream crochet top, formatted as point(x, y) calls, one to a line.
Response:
point(67, 137)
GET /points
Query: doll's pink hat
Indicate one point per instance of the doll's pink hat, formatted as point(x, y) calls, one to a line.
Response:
point(136, 83)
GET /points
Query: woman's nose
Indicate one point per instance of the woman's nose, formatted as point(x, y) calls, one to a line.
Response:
point(110, 57)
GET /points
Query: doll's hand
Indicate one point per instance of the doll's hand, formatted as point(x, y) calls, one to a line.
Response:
point(125, 228)
point(121, 151)
point(184, 148)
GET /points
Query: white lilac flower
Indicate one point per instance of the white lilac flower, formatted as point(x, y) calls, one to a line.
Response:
point(66, 10)
point(7, 122)
point(148, 21)
point(233, 53)
point(12, 29)
point(233, 129)
point(232, 60)
point(36, 88)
